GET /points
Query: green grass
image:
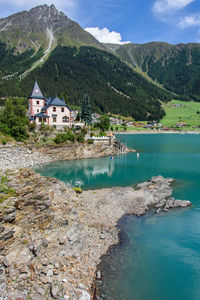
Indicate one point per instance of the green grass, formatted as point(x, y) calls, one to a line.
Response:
point(187, 114)
point(129, 128)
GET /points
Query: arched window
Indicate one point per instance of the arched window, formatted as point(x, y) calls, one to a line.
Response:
point(65, 119)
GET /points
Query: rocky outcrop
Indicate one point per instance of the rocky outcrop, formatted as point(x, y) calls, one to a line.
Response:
point(52, 238)
point(79, 151)
point(20, 156)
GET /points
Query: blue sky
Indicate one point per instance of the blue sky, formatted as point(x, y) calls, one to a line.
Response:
point(118, 21)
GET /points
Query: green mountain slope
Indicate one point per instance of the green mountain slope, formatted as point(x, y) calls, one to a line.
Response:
point(176, 67)
point(112, 85)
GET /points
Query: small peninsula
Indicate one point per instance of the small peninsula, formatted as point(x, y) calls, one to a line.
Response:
point(52, 238)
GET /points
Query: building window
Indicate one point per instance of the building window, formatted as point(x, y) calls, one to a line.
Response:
point(37, 102)
point(44, 119)
point(54, 119)
point(38, 110)
point(54, 108)
point(65, 119)
point(40, 120)
point(62, 109)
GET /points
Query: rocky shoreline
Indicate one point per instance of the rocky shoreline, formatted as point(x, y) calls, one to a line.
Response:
point(52, 239)
point(14, 156)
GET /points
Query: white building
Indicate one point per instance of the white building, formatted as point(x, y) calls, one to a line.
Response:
point(53, 112)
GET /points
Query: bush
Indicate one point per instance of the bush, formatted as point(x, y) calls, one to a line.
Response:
point(81, 138)
point(84, 130)
point(78, 190)
point(104, 123)
point(31, 126)
point(90, 142)
point(4, 142)
point(13, 119)
point(64, 137)
point(60, 138)
point(101, 133)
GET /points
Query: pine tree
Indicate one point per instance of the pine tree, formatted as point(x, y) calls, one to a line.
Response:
point(86, 113)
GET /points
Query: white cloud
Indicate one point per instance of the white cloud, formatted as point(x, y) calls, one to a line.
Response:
point(105, 36)
point(165, 6)
point(189, 21)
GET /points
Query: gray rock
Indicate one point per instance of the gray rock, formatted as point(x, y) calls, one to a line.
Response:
point(7, 234)
point(98, 276)
point(20, 255)
point(36, 296)
point(54, 290)
point(10, 218)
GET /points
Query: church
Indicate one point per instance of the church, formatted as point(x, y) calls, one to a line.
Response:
point(54, 112)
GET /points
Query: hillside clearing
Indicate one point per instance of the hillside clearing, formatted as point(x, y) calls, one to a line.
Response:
point(181, 111)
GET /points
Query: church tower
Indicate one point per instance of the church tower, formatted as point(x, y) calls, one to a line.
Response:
point(36, 101)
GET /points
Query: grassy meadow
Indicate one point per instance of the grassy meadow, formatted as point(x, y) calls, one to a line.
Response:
point(187, 113)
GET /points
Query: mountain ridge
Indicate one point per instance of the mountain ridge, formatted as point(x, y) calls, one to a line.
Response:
point(175, 67)
point(29, 29)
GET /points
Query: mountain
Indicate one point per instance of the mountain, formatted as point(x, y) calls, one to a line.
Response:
point(44, 43)
point(175, 67)
point(43, 26)
point(111, 84)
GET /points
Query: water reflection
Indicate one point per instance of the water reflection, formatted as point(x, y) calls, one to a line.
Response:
point(80, 172)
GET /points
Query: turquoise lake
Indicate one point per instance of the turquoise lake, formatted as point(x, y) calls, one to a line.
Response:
point(159, 256)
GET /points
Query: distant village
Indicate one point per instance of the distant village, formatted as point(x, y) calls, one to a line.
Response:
point(55, 112)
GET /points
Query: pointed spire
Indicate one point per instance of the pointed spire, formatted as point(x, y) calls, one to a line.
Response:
point(36, 93)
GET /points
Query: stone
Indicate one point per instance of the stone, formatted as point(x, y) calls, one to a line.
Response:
point(36, 296)
point(54, 290)
point(45, 279)
point(62, 240)
point(56, 265)
point(1, 229)
point(98, 276)
point(45, 243)
point(19, 255)
point(85, 295)
point(102, 236)
point(10, 218)
point(55, 272)
point(7, 234)
point(41, 291)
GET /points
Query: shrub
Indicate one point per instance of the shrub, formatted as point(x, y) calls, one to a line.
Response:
point(64, 137)
point(101, 133)
point(13, 119)
point(81, 138)
point(92, 134)
point(84, 130)
point(104, 123)
point(78, 190)
point(31, 126)
point(90, 142)
point(4, 141)
point(60, 138)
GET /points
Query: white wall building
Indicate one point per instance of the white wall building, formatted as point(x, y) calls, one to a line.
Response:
point(53, 112)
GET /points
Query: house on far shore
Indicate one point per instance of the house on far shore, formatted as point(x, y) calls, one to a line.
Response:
point(54, 112)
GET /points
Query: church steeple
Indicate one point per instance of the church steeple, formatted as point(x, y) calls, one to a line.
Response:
point(36, 93)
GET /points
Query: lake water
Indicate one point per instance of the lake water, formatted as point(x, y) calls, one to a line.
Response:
point(159, 257)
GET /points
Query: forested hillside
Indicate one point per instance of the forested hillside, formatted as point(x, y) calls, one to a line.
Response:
point(112, 85)
point(176, 67)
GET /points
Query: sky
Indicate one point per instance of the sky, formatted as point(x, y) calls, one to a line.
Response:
point(122, 21)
